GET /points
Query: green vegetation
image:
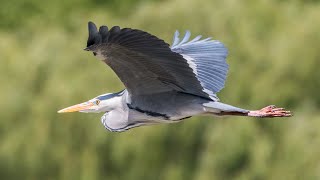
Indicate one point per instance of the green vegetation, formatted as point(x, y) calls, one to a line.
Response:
point(274, 58)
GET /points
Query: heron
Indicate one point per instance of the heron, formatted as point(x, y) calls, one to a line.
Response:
point(163, 83)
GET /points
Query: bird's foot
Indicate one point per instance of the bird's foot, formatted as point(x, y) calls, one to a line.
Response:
point(270, 111)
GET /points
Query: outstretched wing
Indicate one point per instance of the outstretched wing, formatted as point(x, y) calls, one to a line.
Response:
point(144, 63)
point(207, 58)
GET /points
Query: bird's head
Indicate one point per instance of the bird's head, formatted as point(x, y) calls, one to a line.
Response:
point(102, 103)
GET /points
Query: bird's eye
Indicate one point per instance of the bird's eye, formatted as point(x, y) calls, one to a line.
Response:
point(97, 102)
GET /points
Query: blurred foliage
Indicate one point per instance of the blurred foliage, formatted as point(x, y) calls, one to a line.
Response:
point(273, 56)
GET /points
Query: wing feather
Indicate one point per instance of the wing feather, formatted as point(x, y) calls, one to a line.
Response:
point(143, 62)
point(208, 59)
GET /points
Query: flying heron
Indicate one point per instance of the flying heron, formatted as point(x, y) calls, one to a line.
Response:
point(163, 84)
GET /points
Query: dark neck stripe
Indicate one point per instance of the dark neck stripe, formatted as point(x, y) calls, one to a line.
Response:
point(150, 113)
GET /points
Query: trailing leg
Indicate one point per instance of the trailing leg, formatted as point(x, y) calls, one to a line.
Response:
point(222, 109)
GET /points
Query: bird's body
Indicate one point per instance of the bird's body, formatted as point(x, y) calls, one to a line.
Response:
point(127, 116)
point(164, 84)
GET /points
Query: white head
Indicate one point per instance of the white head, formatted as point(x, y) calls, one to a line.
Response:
point(103, 103)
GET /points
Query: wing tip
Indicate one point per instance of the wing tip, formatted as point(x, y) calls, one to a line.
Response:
point(91, 25)
point(94, 36)
point(99, 36)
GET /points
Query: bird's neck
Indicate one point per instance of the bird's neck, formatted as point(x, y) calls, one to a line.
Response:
point(117, 101)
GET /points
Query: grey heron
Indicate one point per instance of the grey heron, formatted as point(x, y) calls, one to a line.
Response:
point(163, 84)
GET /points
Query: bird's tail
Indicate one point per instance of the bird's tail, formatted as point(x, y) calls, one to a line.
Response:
point(218, 108)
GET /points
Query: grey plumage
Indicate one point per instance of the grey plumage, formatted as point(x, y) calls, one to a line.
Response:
point(158, 77)
point(163, 84)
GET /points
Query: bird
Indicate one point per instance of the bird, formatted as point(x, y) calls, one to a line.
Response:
point(163, 83)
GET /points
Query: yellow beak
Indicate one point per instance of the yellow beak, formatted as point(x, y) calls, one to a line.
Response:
point(78, 107)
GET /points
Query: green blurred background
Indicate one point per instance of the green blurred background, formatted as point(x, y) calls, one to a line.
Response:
point(274, 58)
